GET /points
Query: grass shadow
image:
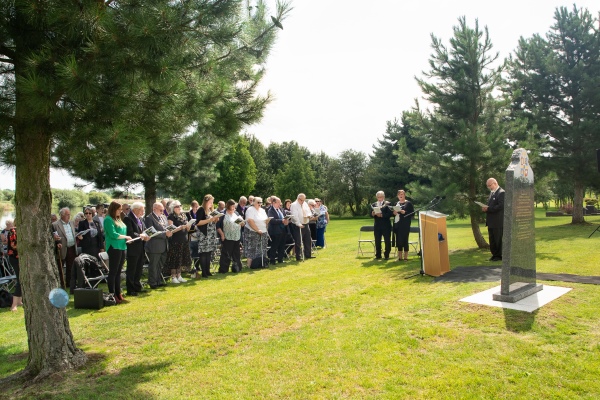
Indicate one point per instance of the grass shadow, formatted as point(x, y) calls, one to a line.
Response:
point(12, 362)
point(95, 378)
point(518, 321)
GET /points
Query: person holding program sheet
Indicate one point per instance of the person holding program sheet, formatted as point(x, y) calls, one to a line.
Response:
point(382, 214)
point(402, 220)
point(494, 218)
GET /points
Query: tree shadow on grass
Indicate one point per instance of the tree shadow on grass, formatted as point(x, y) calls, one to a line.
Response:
point(565, 232)
point(518, 321)
point(11, 362)
point(91, 381)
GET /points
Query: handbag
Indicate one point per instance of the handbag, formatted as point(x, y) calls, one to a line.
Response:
point(109, 299)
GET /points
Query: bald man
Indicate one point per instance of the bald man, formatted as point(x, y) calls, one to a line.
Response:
point(494, 218)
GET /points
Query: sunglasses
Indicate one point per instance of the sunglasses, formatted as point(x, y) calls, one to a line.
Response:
point(87, 213)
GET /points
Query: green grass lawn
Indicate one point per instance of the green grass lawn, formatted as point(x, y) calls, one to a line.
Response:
point(338, 327)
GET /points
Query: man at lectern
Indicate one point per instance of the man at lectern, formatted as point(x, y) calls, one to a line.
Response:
point(382, 213)
point(494, 218)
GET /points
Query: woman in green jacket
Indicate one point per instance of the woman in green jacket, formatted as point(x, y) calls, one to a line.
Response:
point(115, 237)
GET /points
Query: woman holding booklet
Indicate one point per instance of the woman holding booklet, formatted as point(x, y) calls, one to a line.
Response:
point(403, 214)
point(257, 238)
point(178, 255)
point(206, 229)
point(230, 233)
point(90, 235)
point(116, 246)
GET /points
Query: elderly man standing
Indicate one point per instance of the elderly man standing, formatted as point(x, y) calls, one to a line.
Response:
point(157, 246)
point(99, 217)
point(301, 216)
point(67, 246)
point(382, 225)
point(277, 230)
point(136, 256)
point(494, 218)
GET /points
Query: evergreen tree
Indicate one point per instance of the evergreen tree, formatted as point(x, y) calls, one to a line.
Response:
point(265, 177)
point(392, 157)
point(93, 83)
point(466, 130)
point(347, 183)
point(554, 82)
point(175, 133)
point(296, 177)
point(237, 173)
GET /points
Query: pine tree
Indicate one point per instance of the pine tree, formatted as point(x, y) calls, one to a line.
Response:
point(88, 83)
point(465, 133)
point(237, 173)
point(555, 83)
point(347, 181)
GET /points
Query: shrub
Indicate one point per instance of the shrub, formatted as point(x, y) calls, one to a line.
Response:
point(567, 208)
point(98, 198)
point(69, 198)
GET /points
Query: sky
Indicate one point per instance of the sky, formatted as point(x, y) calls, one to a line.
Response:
point(341, 69)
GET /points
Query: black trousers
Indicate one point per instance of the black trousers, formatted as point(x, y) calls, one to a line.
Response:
point(495, 235)
point(302, 237)
point(277, 250)
point(116, 259)
point(402, 233)
point(135, 268)
point(205, 263)
point(14, 262)
point(386, 233)
point(230, 252)
point(70, 273)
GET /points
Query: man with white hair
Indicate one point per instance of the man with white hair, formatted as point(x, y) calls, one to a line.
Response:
point(136, 256)
point(494, 218)
point(156, 248)
point(301, 216)
point(381, 212)
point(67, 246)
point(241, 206)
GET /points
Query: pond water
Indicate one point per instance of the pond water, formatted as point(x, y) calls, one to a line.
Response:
point(10, 214)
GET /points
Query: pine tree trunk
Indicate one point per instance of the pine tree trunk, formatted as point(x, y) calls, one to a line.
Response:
point(51, 344)
point(479, 239)
point(474, 215)
point(577, 217)
point(149, 194)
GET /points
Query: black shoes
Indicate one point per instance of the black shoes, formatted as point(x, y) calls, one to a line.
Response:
point(496, 259)
point(132, 293)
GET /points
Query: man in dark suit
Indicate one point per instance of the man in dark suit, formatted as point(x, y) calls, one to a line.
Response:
point(156, 247)
point(382, 225)
point(494, 218)
point(136, 256)
point(277, 231)
point(67, 245)
point(99, 217)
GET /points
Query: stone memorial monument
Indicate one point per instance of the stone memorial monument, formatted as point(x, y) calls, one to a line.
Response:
point(518, 240)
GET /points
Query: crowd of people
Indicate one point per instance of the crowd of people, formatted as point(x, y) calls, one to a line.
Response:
point(174, 242)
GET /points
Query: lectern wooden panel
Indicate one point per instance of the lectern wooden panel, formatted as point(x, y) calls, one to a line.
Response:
point(434, 242)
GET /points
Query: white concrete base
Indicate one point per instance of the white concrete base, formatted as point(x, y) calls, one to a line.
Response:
point(528, 304)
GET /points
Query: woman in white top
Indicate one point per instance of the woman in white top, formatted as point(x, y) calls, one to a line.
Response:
point(256, 241)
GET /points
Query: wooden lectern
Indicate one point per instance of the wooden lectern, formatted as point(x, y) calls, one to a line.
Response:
point(434, 243)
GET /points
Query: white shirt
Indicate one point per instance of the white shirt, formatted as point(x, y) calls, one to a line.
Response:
point(300, 213)
point(258, 216)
